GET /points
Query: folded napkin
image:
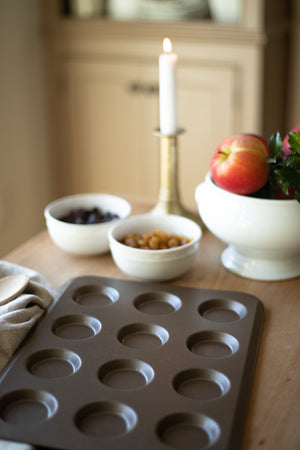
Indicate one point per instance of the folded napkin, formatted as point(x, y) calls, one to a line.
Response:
point(18, 315)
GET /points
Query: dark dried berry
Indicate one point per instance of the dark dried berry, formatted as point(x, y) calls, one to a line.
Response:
point(81, 216)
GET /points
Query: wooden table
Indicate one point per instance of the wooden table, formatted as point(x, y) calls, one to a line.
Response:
point(273, 421)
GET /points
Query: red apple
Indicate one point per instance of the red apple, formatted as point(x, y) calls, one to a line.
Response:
point(238, 164)
point(286, 147)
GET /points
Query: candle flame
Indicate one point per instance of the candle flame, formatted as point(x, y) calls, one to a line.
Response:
point(167, 45)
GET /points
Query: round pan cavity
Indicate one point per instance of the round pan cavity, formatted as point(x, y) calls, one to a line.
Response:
point(53, 363)
point(142, 335)
point(105, 419)
point(126, 374)
point(157, 303)
point(212, 344)
point(222, 310)
point(27, 407)
point(92, 295)
point(201, 384)
point(76, 327)
point(199, 431)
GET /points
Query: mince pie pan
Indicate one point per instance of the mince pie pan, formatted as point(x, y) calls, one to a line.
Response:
point(117, 364)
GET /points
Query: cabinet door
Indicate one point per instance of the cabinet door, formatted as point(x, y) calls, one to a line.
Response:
point(206, 111)
point(100, 136)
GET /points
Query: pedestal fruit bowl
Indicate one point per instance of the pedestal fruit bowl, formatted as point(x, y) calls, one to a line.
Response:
point(263, 235)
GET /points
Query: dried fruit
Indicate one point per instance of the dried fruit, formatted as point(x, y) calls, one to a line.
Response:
point(157, 240)
point(82, 216)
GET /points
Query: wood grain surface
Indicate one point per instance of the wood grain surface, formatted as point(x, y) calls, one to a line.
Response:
point(273, 421)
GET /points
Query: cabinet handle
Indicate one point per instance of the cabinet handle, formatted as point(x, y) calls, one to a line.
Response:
point(148, 89)
point(134, 87)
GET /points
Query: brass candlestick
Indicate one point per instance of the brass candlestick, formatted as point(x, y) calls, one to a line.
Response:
point(169, 198)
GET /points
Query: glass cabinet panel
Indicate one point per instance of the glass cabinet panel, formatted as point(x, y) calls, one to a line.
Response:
point(221, 11)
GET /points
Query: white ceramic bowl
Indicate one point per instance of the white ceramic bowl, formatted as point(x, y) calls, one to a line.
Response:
point(154, 265)
point(263, 235)
point(83, 239)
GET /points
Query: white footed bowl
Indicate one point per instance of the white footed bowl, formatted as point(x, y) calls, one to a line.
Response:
point(154, 265)
point(83, 239)
point(263, 235)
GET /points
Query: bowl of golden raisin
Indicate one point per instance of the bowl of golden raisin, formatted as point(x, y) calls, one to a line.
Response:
point(154, 247)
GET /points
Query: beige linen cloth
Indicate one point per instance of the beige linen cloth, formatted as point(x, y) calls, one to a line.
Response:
point(17, 316)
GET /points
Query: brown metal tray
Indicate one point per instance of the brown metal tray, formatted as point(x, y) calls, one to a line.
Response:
point(129, 365)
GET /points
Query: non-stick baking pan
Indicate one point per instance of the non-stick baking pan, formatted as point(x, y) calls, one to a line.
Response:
point(128, 365)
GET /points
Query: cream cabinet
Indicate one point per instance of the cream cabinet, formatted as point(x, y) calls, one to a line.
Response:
point(103, 86)
point(107, 114)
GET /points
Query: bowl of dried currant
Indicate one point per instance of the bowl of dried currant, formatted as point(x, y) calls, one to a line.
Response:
point(154, 247)
point(79, 223)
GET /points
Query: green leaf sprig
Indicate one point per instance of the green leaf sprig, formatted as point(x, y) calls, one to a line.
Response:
point(285, 169)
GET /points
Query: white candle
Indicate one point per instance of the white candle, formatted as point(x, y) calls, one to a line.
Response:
point(168, 90)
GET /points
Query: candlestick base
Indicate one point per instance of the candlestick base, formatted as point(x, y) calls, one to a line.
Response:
point(169, 198)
